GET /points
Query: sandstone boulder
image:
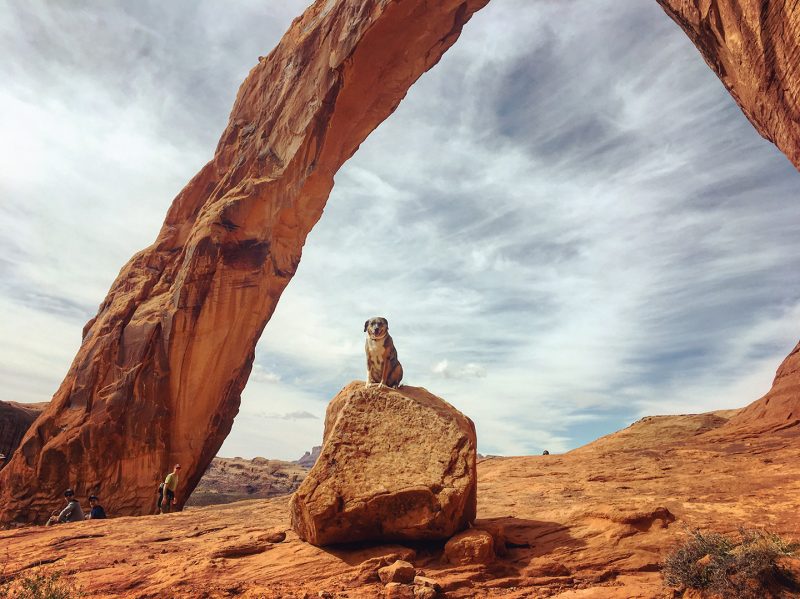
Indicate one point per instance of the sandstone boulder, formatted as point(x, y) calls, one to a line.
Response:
point(396, 464)
point(399, 571)
point(470, 547)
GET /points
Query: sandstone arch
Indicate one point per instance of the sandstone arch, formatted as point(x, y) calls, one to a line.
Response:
point(160, 371)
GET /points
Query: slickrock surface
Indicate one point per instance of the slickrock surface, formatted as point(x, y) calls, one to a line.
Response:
point(234, 479)
point(159, 374)
point(754, 48)
point(15, 420)
point(594, 523)
point(396, 464)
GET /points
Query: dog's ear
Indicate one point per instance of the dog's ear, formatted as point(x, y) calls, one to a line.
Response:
point(366, 322)
point(386, 322)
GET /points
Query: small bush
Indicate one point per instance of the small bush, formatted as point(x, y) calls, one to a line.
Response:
point(742, 569)
point(42, 584)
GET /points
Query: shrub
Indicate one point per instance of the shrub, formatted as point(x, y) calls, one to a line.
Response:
point(742, 569)
point(42, 584)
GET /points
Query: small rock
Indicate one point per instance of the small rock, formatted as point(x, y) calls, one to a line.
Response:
point(399, 571)
point(498, 533)
point(396, 590)
point(470, 547)
point(324, 595)
point(368, 569)
point(423, 581)
point(276, 536)
point(424, 593)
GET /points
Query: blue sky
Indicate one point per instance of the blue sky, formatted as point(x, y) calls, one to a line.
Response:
point(568, 222)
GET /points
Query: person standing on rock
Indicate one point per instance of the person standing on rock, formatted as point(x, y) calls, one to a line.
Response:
point(170, 486)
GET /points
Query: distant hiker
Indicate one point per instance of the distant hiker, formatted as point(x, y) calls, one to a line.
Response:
point(170, 486)
point(71, 513)
point(97, 513)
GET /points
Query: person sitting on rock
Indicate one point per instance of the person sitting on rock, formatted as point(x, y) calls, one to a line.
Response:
point(71, 513)
point(97, 513)
point(170, 486)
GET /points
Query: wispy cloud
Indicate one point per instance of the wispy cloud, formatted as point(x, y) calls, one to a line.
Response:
point(568, 222)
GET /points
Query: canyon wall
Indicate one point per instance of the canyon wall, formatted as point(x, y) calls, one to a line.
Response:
point(158, 377)
point(754, 48)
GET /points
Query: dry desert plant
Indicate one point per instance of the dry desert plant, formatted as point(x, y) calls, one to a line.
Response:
point(747, 568)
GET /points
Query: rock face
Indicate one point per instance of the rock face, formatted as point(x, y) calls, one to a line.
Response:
point(754, 48)
point(396, 464)
point(15, 420)
point(159, 374)
point(780, 408)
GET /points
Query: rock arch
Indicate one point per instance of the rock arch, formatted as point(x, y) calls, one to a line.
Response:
point(161, 368)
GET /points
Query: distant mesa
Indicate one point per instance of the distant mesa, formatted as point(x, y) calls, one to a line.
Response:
point(396, 464)
point(310, 458)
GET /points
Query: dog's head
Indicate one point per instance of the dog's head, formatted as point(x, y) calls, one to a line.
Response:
point(376, 327)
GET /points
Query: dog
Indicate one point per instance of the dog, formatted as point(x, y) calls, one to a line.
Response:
point(383, 367)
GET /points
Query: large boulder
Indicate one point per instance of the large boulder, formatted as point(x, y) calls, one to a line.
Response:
point(396, 464)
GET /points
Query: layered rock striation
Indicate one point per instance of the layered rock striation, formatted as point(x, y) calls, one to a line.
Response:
point(396, 464)
point(158, 377)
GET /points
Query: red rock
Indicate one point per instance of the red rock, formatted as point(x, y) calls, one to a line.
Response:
point(778, 409)
point(15, 420)
point(470, 547)
point(754, 48)
point(396, 464)
point(588, 523)
point(424, 593)
point(396, 590)
point(425, 582)
point(159, 374)
point(399, 571)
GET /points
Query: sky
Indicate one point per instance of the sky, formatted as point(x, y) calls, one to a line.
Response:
point(568, 222)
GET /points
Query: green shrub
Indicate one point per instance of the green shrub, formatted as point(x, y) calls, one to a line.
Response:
point(41, 584)
point(739, 569)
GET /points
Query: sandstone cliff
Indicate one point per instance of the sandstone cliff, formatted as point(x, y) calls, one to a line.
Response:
point(754, 48)
point(15, 420)
point(159, 374)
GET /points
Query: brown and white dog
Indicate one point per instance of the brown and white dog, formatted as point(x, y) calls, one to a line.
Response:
point(383, 367)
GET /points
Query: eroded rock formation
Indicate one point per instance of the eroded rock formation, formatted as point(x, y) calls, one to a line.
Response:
point(754, 48)
point(161, 368)
point(395, 464)
point(15, 420)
